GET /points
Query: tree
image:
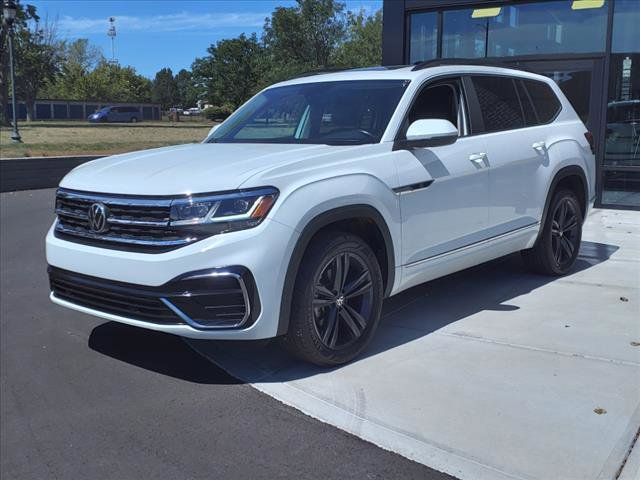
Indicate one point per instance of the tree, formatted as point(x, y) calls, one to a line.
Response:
point(165, 88)
point(110, 82)
point(232, 71)
point(80, 58)
point(363, 46)
point(39, 57)
point(24, 14)
point(188, 92)
point(304, 37)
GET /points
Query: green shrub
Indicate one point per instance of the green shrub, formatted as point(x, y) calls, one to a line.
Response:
point(218, 113)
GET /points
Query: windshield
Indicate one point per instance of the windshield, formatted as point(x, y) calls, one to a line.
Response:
point(336, 113)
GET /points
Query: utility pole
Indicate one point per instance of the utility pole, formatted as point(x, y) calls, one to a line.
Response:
point(9, 9)
point(112, 34)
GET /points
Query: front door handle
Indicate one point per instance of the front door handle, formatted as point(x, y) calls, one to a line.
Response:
point(479, 159)
point(539, 147)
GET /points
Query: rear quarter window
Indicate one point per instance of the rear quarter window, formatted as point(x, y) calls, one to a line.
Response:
point(544, 100)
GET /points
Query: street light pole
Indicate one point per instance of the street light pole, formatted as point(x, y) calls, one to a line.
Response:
point(9, 12)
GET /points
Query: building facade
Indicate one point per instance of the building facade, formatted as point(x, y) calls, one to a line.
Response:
point(591, 48)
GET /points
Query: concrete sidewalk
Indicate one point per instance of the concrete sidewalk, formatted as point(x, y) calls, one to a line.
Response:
point(491, 372)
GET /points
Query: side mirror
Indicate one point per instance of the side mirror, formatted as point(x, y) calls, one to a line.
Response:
point(430, 132)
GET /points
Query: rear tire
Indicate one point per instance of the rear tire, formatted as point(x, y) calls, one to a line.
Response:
point(557, 246)
point(337, 300)
point(134, 120)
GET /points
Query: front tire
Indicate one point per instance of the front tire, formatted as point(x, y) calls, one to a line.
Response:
point(337, 300)
point(556, 249)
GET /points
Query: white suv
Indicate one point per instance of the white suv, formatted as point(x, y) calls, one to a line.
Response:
point(320, 197)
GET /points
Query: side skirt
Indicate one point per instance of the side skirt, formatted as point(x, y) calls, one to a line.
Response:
point(466, 257)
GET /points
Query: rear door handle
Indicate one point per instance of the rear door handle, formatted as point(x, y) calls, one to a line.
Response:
point(539, 146)
point(479, 159)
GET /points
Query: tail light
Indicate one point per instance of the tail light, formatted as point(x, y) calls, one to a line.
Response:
point(589, 136)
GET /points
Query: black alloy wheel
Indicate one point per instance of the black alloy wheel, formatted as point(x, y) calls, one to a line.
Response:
point(337, 300)
point(558, 243)
point(343, 300)
point(565, 237)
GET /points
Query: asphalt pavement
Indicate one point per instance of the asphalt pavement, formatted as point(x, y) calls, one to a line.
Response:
point(86, 399)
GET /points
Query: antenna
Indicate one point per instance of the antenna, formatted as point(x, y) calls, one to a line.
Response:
point(112, 34)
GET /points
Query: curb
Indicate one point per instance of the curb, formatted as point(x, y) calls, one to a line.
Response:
point(31, 173)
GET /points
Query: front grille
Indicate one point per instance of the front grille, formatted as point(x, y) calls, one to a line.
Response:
point(132, 223)
point(110, 297)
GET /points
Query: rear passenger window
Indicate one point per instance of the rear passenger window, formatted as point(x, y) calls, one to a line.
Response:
point(499, 104)
point(544, 100)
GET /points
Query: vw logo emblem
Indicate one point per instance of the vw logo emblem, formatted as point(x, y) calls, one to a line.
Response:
point(98, 218)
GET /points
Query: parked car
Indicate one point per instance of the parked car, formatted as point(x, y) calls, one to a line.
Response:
point(320, 197)
point(192, 111)
point(116, 114)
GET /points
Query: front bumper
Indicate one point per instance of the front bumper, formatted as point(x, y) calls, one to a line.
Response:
point(204, 300)
point(263, 253)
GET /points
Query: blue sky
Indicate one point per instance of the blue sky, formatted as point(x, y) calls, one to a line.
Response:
point(152, 34)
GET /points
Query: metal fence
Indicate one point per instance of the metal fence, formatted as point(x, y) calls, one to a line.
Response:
point(71, 110)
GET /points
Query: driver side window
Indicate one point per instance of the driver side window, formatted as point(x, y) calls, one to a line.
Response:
point(442, 100)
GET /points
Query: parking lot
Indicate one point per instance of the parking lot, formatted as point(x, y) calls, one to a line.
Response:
point(87, 399)
point(488, 373)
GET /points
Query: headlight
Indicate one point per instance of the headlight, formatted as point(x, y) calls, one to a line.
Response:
point(225, 211)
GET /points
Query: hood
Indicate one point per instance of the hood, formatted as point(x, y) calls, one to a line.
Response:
point(184, 169)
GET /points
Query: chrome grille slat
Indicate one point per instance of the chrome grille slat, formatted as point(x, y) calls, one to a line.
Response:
point(136, 223)
point(131, 240)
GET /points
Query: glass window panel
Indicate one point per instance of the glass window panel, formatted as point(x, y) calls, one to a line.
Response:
point(462, 35)
point(499, 104)
point(621, 188)
point(621, 183)
point(424, 37)
point(547, 27)
point(626, 26)
point(623, 112)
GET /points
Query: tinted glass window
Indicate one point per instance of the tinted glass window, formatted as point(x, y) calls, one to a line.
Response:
point(424, 37)
point(559, 26)
point(442, 101)
point(499, 105)
point(626, 18)
point(544, 100)
point(343, 112)
point(548, 27)
point(528, 111)
point(462, 35)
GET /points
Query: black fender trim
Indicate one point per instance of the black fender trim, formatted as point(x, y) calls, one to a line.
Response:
point(313, 227)
point(572, 170)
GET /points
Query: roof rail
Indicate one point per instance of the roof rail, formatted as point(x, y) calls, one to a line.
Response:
point(356, 69)
point(443, 62)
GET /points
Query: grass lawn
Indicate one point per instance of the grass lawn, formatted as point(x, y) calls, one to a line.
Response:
point(49, 138)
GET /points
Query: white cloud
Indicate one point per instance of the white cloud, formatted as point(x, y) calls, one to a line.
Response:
point(182, 21)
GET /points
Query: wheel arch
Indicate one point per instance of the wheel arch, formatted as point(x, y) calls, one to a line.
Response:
point(574, 178)
point(335, 216)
